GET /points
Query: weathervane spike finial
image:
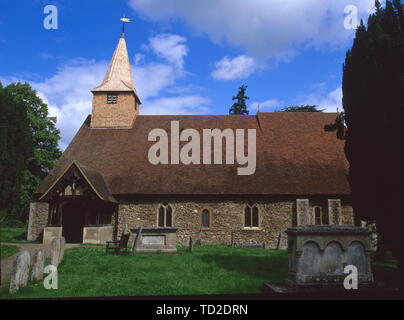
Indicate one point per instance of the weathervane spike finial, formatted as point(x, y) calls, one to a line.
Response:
point(123, 19)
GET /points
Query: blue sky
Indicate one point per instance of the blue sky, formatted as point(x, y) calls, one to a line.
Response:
point(187, 56)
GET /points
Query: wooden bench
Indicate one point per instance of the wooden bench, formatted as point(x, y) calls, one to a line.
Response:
point(116, 246)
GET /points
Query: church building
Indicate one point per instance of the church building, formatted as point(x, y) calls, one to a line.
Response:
point(105, 180)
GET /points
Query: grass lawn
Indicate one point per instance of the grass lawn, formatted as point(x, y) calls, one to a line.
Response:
point(7, 251)
point(89, 272)
point(386, 271)
point(14, 235)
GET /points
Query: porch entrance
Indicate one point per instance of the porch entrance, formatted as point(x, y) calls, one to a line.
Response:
point(81, 206)
point(73, 221)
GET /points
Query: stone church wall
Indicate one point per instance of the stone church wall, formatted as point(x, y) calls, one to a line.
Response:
point(276, 215)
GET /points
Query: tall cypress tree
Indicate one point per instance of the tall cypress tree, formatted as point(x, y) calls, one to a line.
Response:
point(373, 101)
point(240, 107)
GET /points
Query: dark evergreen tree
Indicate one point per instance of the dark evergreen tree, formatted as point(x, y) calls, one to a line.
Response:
point(373, 101)
point(240, 107)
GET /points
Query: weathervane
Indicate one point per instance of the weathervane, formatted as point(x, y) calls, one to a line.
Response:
point(123, 23)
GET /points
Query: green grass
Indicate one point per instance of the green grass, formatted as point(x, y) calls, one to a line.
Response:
point(7, 251)
point(89, 272)
point(14, 235)
point(386, 271)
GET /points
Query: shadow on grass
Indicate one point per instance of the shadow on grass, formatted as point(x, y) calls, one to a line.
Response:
point(265, 267)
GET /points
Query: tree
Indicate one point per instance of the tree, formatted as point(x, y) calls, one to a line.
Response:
point(45, 139)
point(301, 108)
point(16, 148)
point(373, 101)
point(240, 107)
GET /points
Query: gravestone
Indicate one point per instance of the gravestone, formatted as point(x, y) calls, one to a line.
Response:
point(62, 249)
point(57, 251)
point(38, 265)
point(199, 240)
point(20, 272)
point(137, 239)
point(191, 245)
point(279, 241)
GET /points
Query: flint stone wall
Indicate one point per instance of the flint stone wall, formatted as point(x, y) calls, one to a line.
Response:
point(38, 219)
point(276, 215)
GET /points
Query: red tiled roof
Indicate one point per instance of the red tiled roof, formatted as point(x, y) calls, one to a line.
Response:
point(93, 178)
point(295, 156)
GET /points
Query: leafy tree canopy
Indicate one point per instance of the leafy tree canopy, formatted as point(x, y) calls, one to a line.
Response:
point(44, 137)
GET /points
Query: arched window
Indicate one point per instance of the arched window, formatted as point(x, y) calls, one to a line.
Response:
point(251, 215)
point(165, 215)
point(205, 219)
point(319, 216)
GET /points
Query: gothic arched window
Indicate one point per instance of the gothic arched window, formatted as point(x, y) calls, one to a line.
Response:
point(205, 219)
point(319, 216)
point(251, 215)
point(165, 215)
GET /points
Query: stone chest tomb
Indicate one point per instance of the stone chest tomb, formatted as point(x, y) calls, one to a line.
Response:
point(319, 254)
point(160, 239)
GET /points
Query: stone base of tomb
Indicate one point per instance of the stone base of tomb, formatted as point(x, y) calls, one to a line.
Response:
point(154, 240)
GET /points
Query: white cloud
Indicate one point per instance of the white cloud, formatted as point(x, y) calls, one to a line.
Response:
point(264, 28)
point(269, 105)
point(329, 102)
point(68, 95)
point(170, 47)
point(139, 58)
point(153, 77)
point(237, 68)
point(193, 104)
